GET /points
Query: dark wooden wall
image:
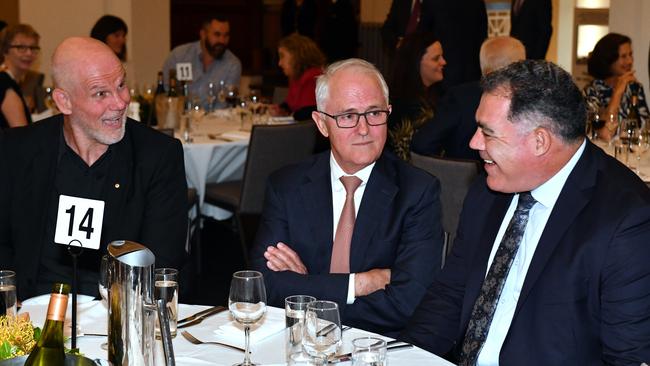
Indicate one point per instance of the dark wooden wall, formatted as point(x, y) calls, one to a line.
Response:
point(247, 27)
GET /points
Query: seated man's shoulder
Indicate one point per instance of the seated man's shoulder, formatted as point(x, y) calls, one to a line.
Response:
point(185, 48)
point(153, 140)
point(293, 175)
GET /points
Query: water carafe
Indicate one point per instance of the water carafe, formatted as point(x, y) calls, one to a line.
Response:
point(131, 307)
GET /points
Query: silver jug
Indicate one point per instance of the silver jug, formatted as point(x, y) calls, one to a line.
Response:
point(131, 307)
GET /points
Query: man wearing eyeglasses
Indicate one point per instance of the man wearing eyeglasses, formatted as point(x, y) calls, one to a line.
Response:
point(352, 225)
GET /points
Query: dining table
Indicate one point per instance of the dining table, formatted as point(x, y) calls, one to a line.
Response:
point(638, 163)
point(268, 337)
point(215, 150)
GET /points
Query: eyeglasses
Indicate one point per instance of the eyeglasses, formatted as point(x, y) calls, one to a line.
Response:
point(374, 117)
point(23, 49)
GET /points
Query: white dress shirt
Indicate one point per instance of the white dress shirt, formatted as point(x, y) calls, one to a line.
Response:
point(338, 200)
point(545, 195)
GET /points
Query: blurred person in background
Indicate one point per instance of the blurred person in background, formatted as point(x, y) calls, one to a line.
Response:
point(212, 61)
point(611, 65)
point(19, 45)
point(301, 61)
point(449, 132)
point(112, 31)
point(415, 88)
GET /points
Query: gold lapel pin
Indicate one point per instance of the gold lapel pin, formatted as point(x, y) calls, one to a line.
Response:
point(117, 185)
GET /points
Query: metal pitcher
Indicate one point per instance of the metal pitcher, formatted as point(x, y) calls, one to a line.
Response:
point(131, 307)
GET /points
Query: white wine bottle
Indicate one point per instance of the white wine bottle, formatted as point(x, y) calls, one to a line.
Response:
point(49, 350)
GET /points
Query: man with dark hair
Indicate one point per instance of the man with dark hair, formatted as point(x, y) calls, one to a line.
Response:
point(211, 60)
point(90, 154)
point(549, 266)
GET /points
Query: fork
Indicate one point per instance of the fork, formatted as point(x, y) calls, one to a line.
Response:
point(194, 340)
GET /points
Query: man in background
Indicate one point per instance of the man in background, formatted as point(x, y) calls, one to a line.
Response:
point(454, 123)
point(530, 22)
point(211, 60)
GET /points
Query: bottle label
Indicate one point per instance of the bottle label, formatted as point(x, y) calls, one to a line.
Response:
point(58, 305)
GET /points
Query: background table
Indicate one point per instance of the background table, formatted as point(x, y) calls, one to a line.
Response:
point(217, 153)
point(270, 351)
point(644, 167)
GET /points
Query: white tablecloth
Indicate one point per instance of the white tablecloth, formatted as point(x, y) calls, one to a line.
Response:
point(643, 170)
point(217, 153)
point(270, 351)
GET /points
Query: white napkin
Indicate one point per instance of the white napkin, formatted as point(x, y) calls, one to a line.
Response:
point(233, 333)
point(282, 120)
point(236, 135)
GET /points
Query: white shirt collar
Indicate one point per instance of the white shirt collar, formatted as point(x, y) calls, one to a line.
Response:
point(337, 172)
point(549, 191)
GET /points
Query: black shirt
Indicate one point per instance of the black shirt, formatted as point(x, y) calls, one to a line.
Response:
point(73, 177)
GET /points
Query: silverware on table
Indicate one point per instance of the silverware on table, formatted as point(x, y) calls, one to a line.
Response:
point(391, 346)
point(194, 340)
point(202, 314)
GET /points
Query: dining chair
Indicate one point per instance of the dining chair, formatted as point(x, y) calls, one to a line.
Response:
point(193, 240)
point(455, 176)
point(271, 147)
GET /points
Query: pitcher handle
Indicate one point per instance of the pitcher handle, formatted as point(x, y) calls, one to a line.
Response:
point(165, 333)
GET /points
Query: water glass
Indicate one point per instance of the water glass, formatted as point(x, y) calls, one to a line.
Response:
point(7, 293)
point(369, 351)
point(294, 311)
point(166, 287)
point(321, 336)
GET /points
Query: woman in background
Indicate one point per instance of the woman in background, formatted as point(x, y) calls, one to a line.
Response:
point(112, 31)
point(415, 87)
point(302, 62)
point(610, 63)
point(19, 45)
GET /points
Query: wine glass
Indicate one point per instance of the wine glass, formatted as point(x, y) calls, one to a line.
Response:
point(103, 287)
point(321, 335)
point(213, 94)
point(639, 145)
point(247, 303)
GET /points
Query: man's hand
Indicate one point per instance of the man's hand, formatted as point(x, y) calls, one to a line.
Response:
point(366, 283)
point(283, 258)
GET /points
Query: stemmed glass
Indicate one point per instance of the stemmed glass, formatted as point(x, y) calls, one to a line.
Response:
point(321, 336)
point(103, 286)
point(247, 303)
point(639, 144)
point(213, 93)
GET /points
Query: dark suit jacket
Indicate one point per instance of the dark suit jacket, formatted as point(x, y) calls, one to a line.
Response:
point(452, 126)
point(397, 227)
point(586, 295)
point(461, 27)
point(532, 26)
point(150, 207)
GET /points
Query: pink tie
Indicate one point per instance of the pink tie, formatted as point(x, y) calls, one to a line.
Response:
point(340, 262)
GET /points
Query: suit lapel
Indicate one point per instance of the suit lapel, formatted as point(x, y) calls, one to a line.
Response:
point(486, 238)
point(118, 185)
point(574, 196)
point(378, 197)
point(316, 194)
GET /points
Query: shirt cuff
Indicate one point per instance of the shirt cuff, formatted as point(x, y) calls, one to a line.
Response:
point(351, 296)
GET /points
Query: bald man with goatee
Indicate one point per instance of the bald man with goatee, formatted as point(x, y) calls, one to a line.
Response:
point(91, 151)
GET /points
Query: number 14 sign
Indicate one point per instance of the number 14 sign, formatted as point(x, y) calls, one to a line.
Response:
point(79, 219)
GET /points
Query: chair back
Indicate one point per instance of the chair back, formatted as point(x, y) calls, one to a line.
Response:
point(272, 147)
point(455, 177)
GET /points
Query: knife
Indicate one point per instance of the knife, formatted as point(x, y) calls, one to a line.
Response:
point(348, 356)
point(201, 314)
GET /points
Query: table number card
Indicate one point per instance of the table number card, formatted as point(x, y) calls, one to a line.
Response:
point(79, 219)
point(184, 71)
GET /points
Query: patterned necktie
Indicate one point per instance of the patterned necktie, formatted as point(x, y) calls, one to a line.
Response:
point(488, 298)
point(414, 20)
point(340, 262)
